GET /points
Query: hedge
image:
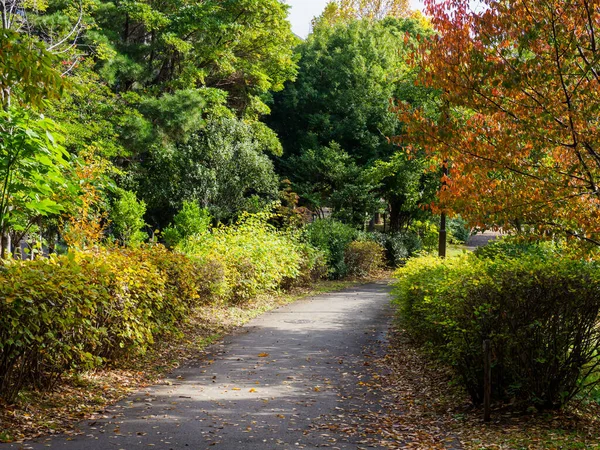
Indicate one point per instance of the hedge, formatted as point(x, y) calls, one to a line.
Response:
point(540, 314)
point(80, 310)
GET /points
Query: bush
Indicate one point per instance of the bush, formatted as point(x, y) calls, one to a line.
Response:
point(75, 311)
point(190, 221)
point(127, 216)
point(255, 256)
point(332, 238)
point(513, 247)
point(428, 232)
point(541, 316)
point(398, 246)
point(364, 258)
point(459, 232)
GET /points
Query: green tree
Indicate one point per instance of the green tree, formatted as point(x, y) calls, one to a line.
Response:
point(348, 74)
point(127, 217)
point(32, 171)
point(347, 10)
point(329, 177)
point(243, 47)
point(224, 167)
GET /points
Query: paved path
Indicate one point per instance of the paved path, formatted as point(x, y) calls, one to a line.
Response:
point(268, 386)
point(481, 239)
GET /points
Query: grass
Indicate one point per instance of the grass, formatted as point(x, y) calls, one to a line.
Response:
point(86, 396)
point(455, 250)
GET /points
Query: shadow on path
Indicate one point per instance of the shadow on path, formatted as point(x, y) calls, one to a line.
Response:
point(267, 386)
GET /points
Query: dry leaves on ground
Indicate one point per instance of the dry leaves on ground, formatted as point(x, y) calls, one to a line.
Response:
point(415, 404)
point(86, 396)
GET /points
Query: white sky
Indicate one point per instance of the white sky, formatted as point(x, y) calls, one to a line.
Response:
point(303, 11)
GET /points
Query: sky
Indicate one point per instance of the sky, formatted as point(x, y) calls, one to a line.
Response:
point(303, 11)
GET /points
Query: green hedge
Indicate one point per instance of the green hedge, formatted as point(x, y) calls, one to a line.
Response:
point(364, 258)
point(541, 315)
point(77, 311)
point(332, 238)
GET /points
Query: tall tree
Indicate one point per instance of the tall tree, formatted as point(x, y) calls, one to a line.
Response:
point(520, 129)
point(348, 10)
point(348, 73)
point(243, 47)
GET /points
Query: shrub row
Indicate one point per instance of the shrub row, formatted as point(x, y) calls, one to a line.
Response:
point(77, 311)
point(254, 257)
point(346, 251)
point(540, 314)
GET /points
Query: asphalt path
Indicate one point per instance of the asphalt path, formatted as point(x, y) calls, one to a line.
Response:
point(270, 385)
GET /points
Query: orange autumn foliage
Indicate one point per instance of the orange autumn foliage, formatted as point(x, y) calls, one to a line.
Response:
point(84, 227)
point(520, 112)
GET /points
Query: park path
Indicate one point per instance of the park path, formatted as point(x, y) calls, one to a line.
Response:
point(270, 385)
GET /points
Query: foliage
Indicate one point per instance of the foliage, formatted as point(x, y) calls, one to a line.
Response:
point(428, 233)
point(335, 118)
point(223, 167)
point(79, 310)
point(255, 257)
point(72, 312)
point(32, 170)
point(190, 221)
point(540, 314)
point(519, 83)
point(347, 10)
point(27, 68)
point(399, 246)
point(516, 246)
point(329, 176)
point(127, 218)
point(364, 258)
point(85, 220)
point(287, 212)
point(332, 238)
point(459, 230)
point(243, 47)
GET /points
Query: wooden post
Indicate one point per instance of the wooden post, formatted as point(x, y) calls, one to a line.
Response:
point(443, 234)
point(442, 237)
point(487, 380)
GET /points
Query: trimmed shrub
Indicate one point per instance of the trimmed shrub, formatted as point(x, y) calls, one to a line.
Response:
point(332, 238)
point(541, 316)
point(75, 311)
point(364, 258)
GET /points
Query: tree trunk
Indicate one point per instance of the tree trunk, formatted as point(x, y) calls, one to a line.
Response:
point(398, 218)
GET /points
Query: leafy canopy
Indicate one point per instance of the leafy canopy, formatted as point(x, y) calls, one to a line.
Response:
point(520, 124)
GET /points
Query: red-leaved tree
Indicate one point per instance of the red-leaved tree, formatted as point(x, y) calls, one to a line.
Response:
point(519, 121)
